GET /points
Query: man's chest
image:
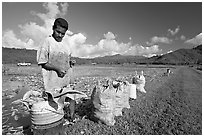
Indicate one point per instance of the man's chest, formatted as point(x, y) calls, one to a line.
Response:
point(59, 55)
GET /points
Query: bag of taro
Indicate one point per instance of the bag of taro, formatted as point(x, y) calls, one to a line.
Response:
point(139, 81)
point(103, 98)
point(125, 87)
point(119, 98)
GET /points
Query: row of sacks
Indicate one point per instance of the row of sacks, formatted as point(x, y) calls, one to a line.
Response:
point(109, 99)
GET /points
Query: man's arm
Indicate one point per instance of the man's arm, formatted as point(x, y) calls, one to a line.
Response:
point(49, 66)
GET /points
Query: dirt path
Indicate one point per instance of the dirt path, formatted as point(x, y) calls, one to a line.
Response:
point(186, 94)
point(193, 86)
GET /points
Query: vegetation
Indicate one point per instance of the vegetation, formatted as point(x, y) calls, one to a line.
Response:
point(172, 105)
point(14, 56)
point(178, 57)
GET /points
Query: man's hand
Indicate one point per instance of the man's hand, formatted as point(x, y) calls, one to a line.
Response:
point(61, 73)
point(72, 63)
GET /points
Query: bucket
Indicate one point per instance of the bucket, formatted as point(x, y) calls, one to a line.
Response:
point(133, 93)
point(44, 116)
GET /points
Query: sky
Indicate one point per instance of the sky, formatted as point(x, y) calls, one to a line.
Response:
point(106, 28)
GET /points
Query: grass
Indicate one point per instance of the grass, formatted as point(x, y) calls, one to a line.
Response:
point(165, 109)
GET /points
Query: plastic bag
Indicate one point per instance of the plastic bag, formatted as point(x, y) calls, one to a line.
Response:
point(122, 97)
point(133, 91)
point(125, 87)
point(103, 98)
point(119, 100)
point(139, 81)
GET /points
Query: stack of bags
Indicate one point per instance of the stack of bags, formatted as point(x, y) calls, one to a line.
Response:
point(109, 99)
point(139, 81)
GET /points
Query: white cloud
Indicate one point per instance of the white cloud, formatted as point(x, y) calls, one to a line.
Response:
point(156, 40)
point(64, 8)
point(140, 50)
point(109, 36)
point(197, 40)
point(174, 32)
point(182, 37)
point(69, 32)
point(108, 46)
point(75, 41)
point(29, 44)
point(35, 33)
point(9, 40)
point(150, 55)
point(169, 51)
point(52, 11)
point(163, 39)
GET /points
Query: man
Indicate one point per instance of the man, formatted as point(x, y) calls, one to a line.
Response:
point(54, 58)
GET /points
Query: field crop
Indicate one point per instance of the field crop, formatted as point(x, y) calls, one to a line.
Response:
point(172, 105)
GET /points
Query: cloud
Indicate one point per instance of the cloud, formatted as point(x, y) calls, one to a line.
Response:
point(182, 37)
point(64, 8)
point(163, 39)
point(169, 51)
point(150, 55)
point(108, 45)
point(35, 32)
point(109, 36)
point(29, 44)
point(140, 50)
point(174, 32)
point(156, 40)
point(197, 40)
point(10, 40)
point(75, 41)
point(52, 11)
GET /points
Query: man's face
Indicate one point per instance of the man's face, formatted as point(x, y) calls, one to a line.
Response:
point(58, 33)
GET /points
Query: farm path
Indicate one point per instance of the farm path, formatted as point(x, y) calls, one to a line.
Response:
point(175, 107)
point(193, 85)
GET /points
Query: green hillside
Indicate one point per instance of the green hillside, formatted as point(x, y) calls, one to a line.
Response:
point(178, 57)
point(13, 56)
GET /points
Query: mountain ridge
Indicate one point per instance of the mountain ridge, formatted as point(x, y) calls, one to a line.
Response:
point(180, 56)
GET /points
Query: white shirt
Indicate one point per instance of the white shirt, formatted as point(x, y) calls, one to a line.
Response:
point(57, 54)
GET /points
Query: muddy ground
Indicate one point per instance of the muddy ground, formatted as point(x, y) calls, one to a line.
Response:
point(172, 104)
